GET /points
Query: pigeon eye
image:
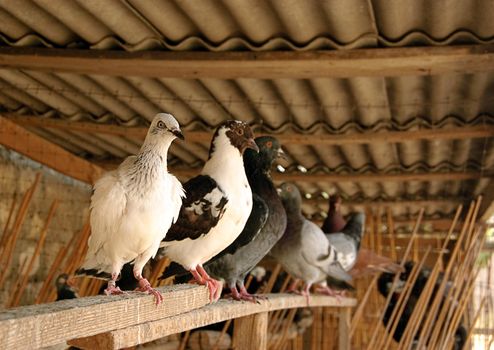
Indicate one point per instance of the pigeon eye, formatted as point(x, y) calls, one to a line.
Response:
point(160, 125)
point(269, 144)
point(239, 132)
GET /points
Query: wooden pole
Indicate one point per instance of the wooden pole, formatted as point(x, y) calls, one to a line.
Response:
point(344, 321)
point(37, 251)
point(251, 332)
point(475, 319)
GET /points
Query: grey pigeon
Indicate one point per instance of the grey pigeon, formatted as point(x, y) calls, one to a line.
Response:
point(132, 209)
point(304, 251)
point(218, 204)
point(266, 224)
point(347, 246)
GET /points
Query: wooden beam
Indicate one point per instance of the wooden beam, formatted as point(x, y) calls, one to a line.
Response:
point(35, 326)
point(258, 65)
point(387, 203)
point(39, 149)
point(213, 313)
point(486, 210)
point(400, 177)
point(464, 132)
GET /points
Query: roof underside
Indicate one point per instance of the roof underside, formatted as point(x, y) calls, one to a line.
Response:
point(326, 106)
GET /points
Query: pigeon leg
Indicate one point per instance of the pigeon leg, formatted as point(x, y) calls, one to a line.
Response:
point(145, 286)
point(215, 286)
point(112, 288)
point(328, 291)
point(234, 294)
point(293, 286)
point(306, 293)
point(209, 282)
point(245, 295)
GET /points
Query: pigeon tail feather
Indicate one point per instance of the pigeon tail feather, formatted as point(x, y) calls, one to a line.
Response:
point(93, 273)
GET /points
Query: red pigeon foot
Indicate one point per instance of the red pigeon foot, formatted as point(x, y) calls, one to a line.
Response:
point(145, 286)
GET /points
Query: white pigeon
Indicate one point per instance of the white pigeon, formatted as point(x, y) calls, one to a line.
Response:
point(132, 209)
point(218, 204)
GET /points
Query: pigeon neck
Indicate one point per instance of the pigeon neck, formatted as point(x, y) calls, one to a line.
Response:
point(225, 165)
point(152, 148)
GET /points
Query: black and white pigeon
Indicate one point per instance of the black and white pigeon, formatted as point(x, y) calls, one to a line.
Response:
point(304, 251)
point(65, 289)
point(132, 209)
point(266, 224)
point(218, 204)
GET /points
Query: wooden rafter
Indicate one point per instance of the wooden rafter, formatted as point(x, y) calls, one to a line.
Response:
point(465, 132)
point(37, 148)
point(258, 65)
point(394, 202)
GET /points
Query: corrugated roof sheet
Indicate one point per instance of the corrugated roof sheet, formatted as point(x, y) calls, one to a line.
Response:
point(323, 105)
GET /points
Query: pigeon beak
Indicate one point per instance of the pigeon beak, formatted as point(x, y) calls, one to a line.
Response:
point(250, 143)
point(178, 133)
point(281, 154)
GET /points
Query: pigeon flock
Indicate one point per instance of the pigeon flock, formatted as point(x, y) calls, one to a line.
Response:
point(217, 226)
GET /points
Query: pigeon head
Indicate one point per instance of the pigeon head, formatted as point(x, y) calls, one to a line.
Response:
point(269, 150)
point(291, 197)
point(61, 281)
point(164, 124)
point(235, 133)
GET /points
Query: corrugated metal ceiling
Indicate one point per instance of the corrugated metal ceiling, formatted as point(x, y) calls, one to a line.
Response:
point(322, 105)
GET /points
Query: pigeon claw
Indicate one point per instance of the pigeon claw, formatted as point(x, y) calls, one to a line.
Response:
point(215, 287)
point(114, 290)
point(145, 286)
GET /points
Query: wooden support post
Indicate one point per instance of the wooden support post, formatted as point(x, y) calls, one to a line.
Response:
point(251, 332)
point(344, 322)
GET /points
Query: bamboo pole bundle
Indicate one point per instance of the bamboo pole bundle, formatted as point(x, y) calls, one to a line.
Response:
point(14, 234)
point(25, 276)
point(420, 308)
point(392, 324)
point(438, 313)
point(459, 286)
point(432, 313)
point(378, 233)
point(395, 280)
point(454, 314)
point(274, 316)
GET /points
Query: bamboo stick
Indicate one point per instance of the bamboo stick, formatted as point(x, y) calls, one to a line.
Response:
point(395, 280)
point(17, 284)
point(19, 220)
point(274, 315)
point(474, 321)
point(391, 232)
point(45, 288)
point(378, 232)
point(36, 253)
point(183, 341)
point(5, 234)
point(288, 321)
point(363, 302)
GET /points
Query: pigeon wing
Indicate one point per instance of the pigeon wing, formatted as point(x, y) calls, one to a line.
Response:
point(203, 207)
point(108, 205)
point(255, 223)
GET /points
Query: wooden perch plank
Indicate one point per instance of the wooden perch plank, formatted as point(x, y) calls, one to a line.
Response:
point(36, 326)
point(220, 311)
point(37, 148)
point(464, 132)
point(259, 65)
